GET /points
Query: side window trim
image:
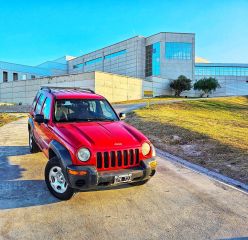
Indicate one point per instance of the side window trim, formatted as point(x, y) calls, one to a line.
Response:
point(42, 107)
point(36, 99)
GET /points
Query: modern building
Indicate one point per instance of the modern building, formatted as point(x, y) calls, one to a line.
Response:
point(164, 55)
point(14, 72)
point(156, 60)
point(233, 77)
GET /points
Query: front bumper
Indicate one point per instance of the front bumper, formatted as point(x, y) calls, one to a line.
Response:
point(95, 178)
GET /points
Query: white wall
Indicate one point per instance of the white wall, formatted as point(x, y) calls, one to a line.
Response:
point(159, 86)
point(24, 91)
point(114, 87)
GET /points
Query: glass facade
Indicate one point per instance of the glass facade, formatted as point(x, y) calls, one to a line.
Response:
point(116, 54)
point(152, 60)
point(93, 61)
point(80, 65)
point(100, 59)
point(178, 51)
point(221, 71)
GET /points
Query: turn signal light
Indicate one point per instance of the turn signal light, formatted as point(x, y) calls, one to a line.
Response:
point(80, 173)
point(153, 164)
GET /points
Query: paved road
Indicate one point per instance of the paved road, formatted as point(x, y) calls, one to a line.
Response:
point(176, 204)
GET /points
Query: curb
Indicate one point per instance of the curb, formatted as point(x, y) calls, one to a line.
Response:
point(214, 175)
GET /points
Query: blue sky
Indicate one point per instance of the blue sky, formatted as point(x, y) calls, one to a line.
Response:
point(35, 31)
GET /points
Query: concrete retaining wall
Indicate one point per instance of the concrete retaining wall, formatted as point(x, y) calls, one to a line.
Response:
point(159, 86)
point(118, 87)
point(114, 87)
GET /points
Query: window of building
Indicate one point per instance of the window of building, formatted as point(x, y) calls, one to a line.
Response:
point(156, 59)
point(15, 76)
point(152, 60)
point(148, 68)
point(5, 76)
point(32, 76)
point(24, 76)
point(178, 51)
point(221, 71)
point(80, 65)
point(93, 61)
point(47, 108)
point(115, 54)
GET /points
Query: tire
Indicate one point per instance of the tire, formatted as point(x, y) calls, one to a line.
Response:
point(56, 181)
point(33, 147)
point(139, 183)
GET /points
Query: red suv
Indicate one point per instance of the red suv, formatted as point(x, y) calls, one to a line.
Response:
point(86, 142)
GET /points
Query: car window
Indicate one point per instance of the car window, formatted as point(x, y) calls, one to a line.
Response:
point(39, 104)
point(46, 110)
point(35, 100)
point(106, 109)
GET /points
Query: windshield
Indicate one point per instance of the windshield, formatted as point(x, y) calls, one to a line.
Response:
point(83, 110)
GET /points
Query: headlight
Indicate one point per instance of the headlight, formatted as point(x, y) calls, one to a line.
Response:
point(83, 154)
point(145, 148)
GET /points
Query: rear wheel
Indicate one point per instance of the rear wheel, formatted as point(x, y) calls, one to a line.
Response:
point(56, 181)
point(33, 147)
point(139, 183)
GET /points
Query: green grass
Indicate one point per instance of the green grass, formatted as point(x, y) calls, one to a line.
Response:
point(212, 132)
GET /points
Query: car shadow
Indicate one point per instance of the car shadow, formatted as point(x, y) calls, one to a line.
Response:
point(15, 192)
point(18, 193)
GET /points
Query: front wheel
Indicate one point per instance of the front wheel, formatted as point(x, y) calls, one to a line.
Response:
point(56, 181)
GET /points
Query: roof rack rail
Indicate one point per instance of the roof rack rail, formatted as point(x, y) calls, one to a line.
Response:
point(50, 88)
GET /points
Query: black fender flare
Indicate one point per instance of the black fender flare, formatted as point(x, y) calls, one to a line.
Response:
point(63, 156)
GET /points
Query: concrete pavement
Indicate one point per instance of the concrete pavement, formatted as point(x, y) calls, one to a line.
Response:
point(177, 203)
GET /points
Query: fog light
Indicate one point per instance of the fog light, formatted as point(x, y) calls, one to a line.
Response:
point(153, 164)
point(80, 173)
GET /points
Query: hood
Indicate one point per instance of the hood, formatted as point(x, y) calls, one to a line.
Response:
point(100, 135)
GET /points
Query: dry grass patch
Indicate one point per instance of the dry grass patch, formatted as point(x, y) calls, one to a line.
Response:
point(212, 133)
point(9, 117)
point(145, 100)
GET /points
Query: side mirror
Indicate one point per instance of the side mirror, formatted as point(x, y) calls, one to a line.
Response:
point(122, 116)
point(39, 118)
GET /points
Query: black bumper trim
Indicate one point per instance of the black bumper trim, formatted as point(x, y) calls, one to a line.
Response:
point(95, 178)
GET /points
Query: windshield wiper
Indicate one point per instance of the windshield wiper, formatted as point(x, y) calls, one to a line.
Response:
point(89, 120)
point(101, 119)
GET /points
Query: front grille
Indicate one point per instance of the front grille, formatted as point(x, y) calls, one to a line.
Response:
point(117, 159)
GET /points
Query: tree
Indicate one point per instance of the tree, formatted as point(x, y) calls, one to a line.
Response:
point(207, 85)
point(181, 84)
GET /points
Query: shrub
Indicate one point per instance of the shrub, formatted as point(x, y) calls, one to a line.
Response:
point(207, 85)
point(181, 84)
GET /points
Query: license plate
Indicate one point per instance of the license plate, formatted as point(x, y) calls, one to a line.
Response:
point(123, 178)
